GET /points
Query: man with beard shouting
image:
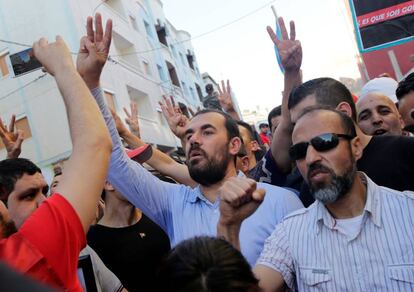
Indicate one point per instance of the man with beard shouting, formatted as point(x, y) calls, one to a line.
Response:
point(356, 236)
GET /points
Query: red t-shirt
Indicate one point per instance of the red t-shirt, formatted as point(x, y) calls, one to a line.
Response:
point(265, 139)
point(47, 245)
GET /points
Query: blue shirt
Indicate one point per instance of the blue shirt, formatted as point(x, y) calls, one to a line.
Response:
point(184, 212)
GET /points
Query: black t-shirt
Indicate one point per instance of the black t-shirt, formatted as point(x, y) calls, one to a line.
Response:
point(389, 162)
point(132, 253)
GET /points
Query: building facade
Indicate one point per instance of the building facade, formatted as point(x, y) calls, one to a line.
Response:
point(149, 58)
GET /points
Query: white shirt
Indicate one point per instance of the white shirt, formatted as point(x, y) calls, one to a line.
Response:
point(312, 255)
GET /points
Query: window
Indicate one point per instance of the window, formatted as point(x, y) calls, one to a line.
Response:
point(110, 100)
point(162, 34)
point(190, 60)
point(173, 74)
point(199, 92)
point(146, 67)
point(127, 50)
point(21, 124)
point(4, 70)
point(148, 29)
point(161, 73)
point(133, 22)
point(145, 109)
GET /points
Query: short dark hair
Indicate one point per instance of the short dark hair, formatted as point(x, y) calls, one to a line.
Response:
point(12, 170)
point(206, 264)
point(275, 112)
point(248, 128)
point(327, 91)
point(346, 121)
point(263, 125)
point(405, 86)
point(229, 122)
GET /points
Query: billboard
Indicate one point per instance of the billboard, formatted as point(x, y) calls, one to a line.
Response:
point(381, 24)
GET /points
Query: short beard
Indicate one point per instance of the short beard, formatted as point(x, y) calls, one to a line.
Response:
point(7, 227)
point(337, 188)
point(211, 173)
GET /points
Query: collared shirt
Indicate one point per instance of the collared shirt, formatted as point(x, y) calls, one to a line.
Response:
point(184, 212)
point(310, 253)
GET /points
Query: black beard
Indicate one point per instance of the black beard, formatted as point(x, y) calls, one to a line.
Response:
point(7, 227)
point(212, 172)
point(339, 186)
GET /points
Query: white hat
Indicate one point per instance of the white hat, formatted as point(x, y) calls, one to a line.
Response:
point(384, 85)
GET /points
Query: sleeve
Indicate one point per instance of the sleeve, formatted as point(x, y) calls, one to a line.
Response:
point(56, 231)
point(270, 172)
point(135, 183)
point(277, 256)
point(105, 278)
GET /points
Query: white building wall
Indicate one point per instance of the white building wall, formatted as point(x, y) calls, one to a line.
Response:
point(132, 75)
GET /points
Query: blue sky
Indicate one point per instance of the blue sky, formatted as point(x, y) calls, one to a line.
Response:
point(244, 53)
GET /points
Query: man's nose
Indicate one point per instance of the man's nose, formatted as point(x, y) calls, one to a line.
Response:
point(312, 155)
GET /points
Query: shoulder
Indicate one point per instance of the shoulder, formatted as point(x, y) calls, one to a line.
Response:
point(396, 195)
point(278, 193)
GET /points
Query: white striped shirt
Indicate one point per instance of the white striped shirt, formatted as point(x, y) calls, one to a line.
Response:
point(310, 253)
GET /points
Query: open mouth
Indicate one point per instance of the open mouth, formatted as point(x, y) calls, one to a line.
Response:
point(196, 154)
point(380, 132)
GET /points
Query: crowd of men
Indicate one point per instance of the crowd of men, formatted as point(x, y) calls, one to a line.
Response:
point(320, 200)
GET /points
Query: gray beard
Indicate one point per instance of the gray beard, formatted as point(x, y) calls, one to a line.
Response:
point(339, 186)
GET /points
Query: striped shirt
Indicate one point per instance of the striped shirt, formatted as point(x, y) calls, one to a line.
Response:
point(310, 253)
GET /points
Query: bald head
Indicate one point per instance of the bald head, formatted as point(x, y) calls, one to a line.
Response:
point(378, 115)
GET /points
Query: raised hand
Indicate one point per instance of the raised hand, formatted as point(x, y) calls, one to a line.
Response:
point(132, 119)
point(11, 138)
point(290, 49)
point(94, 50)
point(177, 121)
point(120, 127)
point(224, 96)
point(55, 57)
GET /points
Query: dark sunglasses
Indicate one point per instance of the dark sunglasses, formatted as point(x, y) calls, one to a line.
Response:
point(321, 143)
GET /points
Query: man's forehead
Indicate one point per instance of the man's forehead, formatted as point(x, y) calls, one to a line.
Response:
point(214, 119)
point(315, 123)
point(35, 180)
point(375, 97)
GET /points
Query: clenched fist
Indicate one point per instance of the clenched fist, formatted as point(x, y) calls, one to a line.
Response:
point(239, 199)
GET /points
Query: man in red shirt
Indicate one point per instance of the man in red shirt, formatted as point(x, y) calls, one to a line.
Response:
point(50, 233)
point(264, 134)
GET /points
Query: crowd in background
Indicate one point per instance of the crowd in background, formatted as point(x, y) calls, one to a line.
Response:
point(319, 198)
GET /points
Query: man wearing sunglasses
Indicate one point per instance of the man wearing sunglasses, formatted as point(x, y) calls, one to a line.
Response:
point(357, 236)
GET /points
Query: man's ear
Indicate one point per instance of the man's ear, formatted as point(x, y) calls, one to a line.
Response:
point(345, 108)
point(245, 164)
point(108, 187)
point(254, 145)
point(234, 145)
point(357, 148)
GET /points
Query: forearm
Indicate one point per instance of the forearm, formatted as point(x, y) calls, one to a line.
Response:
point(162, 162)
point(282, 138)
point(82, 186)
point(234, 114)
point(230, 233)
point(82, 112)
